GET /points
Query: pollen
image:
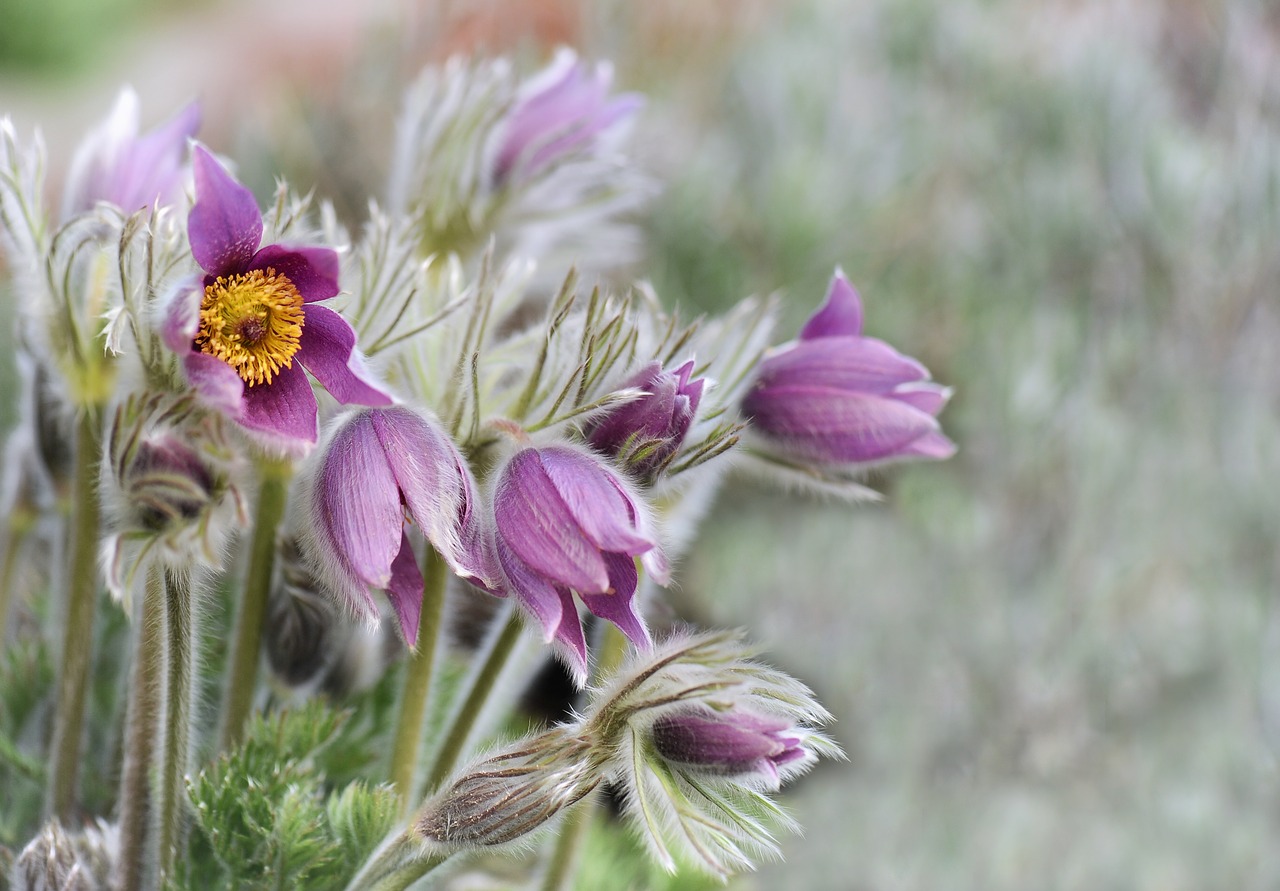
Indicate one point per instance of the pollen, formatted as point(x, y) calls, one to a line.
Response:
point(253, 322)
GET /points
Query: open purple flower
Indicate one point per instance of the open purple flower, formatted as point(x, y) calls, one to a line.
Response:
point(565, 523)
point(835, 397)
point(115, 164)
point(561, 110)
point(249, 327)
point(645, 434)
point(731, 744)
point(381, 467)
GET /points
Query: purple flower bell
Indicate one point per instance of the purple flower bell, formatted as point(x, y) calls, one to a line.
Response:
point(565, 523)
point(835, 397)
point(115, 164)
point(381, 466)
point(645, 434)
point(733, 744)
point(563, 109)
point(249, 327)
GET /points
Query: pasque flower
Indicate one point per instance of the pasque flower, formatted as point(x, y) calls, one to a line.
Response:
point(645, 434)
point(246, 330)
point(835, 397)
point(566, 523)
point(565, 108)
point(115, 164)
point(736, 744)
point(381, 466)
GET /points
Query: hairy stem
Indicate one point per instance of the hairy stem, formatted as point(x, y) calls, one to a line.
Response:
point(77, 637)
point(569, 840)
point(501, 645)
point(396, 865)
point(417, 680)
point(176, 727)
point(246, 642)
point(141, 723)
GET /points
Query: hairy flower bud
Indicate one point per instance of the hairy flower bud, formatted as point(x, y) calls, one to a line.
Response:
point(56, 860)
point(167, 483)
point(379, 467)
point(735, 744)
point(834, 397)
point(646, 433)
point(565, 523)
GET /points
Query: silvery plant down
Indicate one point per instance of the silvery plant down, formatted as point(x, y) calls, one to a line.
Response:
point(298, 516)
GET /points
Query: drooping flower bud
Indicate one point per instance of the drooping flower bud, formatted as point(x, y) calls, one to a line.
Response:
point(834, 397)
point(562, 110)
point(645, 434)
point(116, 164)
point(735, 744)
point(566, 523)
point(167, 483)
point(380, 466)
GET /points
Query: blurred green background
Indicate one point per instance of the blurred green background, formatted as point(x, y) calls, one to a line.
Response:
point(1056, 658)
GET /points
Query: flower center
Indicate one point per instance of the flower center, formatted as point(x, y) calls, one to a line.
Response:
point(253, 322)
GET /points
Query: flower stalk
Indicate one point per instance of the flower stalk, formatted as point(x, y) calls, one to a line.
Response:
point(77, 639)
point(246, 642)
point(179, 620)
point(417, 679)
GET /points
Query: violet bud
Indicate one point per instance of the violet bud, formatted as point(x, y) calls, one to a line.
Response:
point(646, 433)
point(834, 397)
point(566, 523)
point(735, 744)
point(131, 171)
point(380, 467)
point(565, 108)
point(167, 483)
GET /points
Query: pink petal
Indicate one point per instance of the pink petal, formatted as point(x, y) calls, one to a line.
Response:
point(573, 646)
point(538, 595)
point(619, 607)
point(313, 270)
point(845, 363)
point(594, 499)
point(327, 351)
point(181, 319)
point(284, 410)
point(425, 465)
point(225, 225)
point(215, 382)
point(839, 315)
point(405, 591)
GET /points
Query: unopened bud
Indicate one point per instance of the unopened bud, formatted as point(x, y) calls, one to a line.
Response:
point(56, 860)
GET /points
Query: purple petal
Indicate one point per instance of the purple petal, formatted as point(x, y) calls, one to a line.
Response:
point(934, 446)
point(152, 169)
point(181, 318)
point(569, 635)
point(928, 397)
point(284, 409)
point(313, 270)
point(225, 225)
point(405, 591)
point(538, 595)
point(861, 364)
point(534, 521)
point(425, 465)
point(723, 742)
point(327, 351)
point(840, 315)
point(358, 503)
point(215, 382)
point(619, 607)
point(595, 500)
point(820, 424)
point(584, 130)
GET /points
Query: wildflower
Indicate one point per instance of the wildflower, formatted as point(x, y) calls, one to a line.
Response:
point(564, 109)
point(380, 465)
point(115, 164)
point(246, 331)
point(738, 744)
point(836, 397)
point(645, 434)
point(566, 523)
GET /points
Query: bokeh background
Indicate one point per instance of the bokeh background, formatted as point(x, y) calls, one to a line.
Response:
point(1056, 658)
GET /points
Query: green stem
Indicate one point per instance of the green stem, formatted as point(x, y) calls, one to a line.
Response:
point(242, 670)
point(17, 534)
point(482, 682)
point(417, 679)
point(573, 832)
point(77, 638)
point(395, 866)
point(141, 723)
point(176, 726)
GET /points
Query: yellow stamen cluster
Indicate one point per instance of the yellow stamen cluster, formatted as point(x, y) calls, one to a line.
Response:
point(253, 322)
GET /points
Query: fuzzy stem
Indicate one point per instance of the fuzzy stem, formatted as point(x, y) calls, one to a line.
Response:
point(501, 646)
point(569, 842)
point(77, 638)
point(242, 670)
point(176, 725)
point(417, 680)
point(396, 865)
point(140, 730)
